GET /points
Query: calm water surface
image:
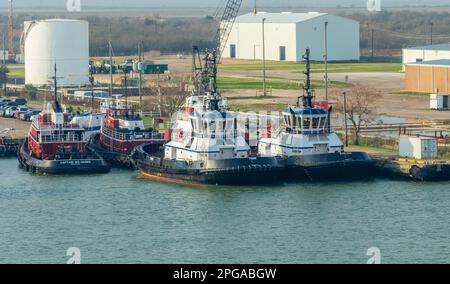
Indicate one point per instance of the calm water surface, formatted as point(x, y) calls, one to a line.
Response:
point(121, 218)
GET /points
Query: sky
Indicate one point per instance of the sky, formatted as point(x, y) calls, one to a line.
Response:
point(214, 3)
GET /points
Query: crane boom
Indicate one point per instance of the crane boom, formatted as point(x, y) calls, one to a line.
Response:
point(206, 71)
point(226, 25)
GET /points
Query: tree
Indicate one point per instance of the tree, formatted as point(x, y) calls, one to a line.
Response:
point(359, 106)
point(170, 101)
point(4, 77)
point(31, 91)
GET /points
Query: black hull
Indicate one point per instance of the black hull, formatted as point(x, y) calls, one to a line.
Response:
point(94, 165)
point(430, 173)
point(224, 172)
point(8, 153)
point(333, 166)
point(114, 159)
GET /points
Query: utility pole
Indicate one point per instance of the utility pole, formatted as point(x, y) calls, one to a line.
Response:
point(345, 119)
point(140, 66)
point(91, 80)
point(264, 56)
point(431, 32)
point(11, 32)
point(110, 71)
point(4, 64)
point(372, 40)
point(326, 61)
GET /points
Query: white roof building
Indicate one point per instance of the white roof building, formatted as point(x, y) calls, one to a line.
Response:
point(426, 53)
point(287, 35)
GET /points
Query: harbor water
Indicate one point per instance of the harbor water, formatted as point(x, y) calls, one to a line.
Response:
point(122, 218)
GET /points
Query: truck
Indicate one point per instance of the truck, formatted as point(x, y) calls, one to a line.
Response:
point(101, 67)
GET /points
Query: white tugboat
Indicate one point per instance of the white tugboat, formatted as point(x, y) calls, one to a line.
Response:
point(205, 145)
point(307, 146)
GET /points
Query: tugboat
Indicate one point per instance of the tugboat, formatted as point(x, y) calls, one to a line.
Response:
point(121, 132)
point(56, 146)
point(307, 146)
point(204, 144)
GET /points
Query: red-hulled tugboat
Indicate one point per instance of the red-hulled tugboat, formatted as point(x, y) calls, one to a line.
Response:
point(122, 131)
point(56, 146)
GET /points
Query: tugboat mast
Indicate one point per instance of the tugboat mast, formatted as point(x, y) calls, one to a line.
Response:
point(55, 94)
point(307, 99)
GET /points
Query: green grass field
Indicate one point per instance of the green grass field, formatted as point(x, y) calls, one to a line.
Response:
point(238, 83)
point(16, 71)
point(333, 67)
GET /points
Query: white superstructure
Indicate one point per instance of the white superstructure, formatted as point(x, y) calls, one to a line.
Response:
point(56, 41)
point(201, 134)
point(305, 131)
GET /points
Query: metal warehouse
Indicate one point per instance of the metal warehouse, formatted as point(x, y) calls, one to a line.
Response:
point(287, 35)
point(425, 53)
point(428, 76)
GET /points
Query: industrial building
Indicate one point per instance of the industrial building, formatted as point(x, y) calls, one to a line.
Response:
point(425, 53)
point(287, 35)
point(428, 77)
point(56, 41)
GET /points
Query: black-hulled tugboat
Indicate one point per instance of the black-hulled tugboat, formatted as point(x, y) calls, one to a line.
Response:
point(205, 144)
point(121, 132)
point(307, 146)
point(56, 146)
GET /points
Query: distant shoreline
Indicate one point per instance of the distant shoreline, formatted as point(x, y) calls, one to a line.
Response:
point(206, 10)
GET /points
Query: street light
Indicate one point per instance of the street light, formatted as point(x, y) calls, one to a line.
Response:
point(326, 61)
point(264, 56)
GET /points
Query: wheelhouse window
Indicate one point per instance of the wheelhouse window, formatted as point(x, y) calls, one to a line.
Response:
point(306, 123)
point(315, 122)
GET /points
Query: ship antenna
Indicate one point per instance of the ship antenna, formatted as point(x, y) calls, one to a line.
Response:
point(307, 99)
point(55, 84)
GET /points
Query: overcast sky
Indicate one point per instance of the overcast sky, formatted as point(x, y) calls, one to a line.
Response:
point(214, 3)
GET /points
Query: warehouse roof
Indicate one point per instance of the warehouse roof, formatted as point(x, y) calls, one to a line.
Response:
point(284, 17)
point(439, 62)
point(442, 46)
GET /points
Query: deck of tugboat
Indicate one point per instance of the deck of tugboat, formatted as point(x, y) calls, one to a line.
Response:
point(127, 134)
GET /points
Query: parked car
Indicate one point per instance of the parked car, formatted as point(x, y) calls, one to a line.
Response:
point(34, 117)
point(18, 102)
point(9, 112)
point(27, 115)
point(4, 101)
point(19, 111)
point(3, 110)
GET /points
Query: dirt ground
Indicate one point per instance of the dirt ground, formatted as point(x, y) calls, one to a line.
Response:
point(16, 128)
point(389, 84)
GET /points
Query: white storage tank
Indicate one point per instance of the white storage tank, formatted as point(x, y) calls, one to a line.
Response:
point(61, 41)
point(439, 102)
point(418, 147)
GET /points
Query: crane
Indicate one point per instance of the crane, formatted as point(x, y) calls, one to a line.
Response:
point(205, 61)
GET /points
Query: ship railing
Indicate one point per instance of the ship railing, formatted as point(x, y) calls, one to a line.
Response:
point(61, 139)
point(50, 125)
point(131, 136)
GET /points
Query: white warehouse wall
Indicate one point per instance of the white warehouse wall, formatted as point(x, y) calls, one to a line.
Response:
point(60, 41)
point(248, 40)
point(343, 38)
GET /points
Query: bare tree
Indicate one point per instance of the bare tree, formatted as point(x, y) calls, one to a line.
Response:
point(359, 106)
